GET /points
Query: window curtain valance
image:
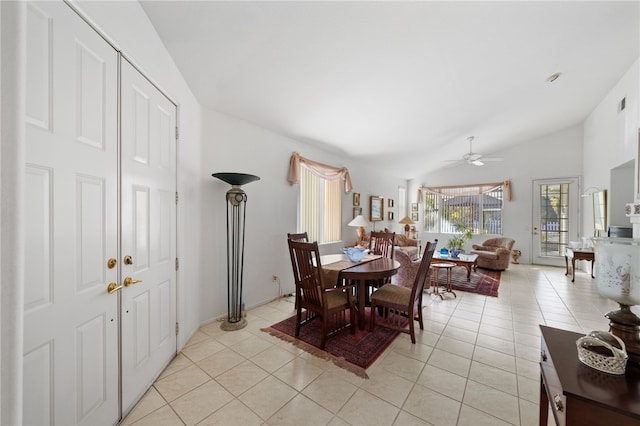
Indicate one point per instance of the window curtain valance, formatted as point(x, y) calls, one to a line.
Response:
point(322, 170)
point(475, 189)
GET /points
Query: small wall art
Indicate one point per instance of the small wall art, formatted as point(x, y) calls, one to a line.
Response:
point(376, 208)
point(390, 215)
point(389, 202)
point(356, 198)
point(357, 211)
point(414, 216)
point(414, 207)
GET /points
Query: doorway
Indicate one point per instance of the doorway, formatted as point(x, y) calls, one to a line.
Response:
point(555, 219)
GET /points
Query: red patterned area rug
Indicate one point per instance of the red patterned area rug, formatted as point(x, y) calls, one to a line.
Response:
point(483, 281)
point(353, 352)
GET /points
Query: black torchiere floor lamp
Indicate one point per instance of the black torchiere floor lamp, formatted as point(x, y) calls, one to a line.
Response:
point(236, 212)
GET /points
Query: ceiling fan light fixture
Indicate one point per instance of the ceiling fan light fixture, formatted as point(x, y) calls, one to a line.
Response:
point(474, 158)
point(554, 77)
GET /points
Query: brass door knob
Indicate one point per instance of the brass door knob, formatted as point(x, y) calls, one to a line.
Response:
point(128, 260)
point(130, 281)
point(113, 287)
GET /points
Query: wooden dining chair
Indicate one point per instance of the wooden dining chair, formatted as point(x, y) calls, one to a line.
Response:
point(327, 304)
point(299, 236)
point(399, 303)
point(382, 243)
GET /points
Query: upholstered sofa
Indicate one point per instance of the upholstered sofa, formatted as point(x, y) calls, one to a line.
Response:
point(409, 246)
point(494, 253)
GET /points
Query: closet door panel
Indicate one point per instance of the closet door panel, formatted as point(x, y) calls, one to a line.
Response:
point(148, 233)
point(71, 194)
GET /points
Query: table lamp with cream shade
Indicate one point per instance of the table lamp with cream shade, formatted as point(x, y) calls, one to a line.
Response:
point(360, 222)
point(406, 221)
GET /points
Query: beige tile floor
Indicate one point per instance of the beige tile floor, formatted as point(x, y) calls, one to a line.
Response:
point(475, 363)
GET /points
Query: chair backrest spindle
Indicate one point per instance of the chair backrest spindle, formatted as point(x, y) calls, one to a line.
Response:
point(381, 243)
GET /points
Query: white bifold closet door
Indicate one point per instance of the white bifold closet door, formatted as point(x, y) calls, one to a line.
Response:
point(148, 162)
point(71, 194)
point(90, 354)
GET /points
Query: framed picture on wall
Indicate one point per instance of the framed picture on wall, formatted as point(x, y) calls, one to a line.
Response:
point(390, 215)
point(376, 208)
point(414, 216)
point(357, 211)
point(414, 207)
point(356, 198)
point(389, 202)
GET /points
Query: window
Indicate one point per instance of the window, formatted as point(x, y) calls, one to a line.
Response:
point(402, 202)
point(478, 207)
point(320, 207)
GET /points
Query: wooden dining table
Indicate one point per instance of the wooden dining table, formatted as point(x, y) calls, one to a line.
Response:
point(370, 269)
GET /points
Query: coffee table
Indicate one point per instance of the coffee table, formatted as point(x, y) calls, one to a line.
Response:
point(470, 262)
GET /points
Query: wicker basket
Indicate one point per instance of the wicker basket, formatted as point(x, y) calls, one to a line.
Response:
point(597, 353)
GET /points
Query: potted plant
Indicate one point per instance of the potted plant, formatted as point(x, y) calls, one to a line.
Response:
point(456, 242)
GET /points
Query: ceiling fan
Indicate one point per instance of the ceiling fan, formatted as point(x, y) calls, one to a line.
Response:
point(474, 158)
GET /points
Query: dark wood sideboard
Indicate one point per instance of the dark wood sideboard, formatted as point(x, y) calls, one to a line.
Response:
point(580, 395)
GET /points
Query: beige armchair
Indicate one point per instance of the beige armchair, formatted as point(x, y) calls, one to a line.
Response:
point(494, 253)
point(408, 268)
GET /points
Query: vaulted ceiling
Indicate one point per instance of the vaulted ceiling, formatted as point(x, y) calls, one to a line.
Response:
point(402, 83)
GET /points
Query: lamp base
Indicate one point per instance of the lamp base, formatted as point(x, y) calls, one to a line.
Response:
point(626, 325)
point(406, 229)
point(232, 326)
point(360, 231)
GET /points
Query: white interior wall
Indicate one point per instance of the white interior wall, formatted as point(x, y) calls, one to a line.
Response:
point(126, 25)
point(232, 145)
point(555, 155)
point(611, 138)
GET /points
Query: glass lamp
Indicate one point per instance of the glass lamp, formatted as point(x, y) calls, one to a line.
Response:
point(360, 222)
point(406, 221)
point(617, 274)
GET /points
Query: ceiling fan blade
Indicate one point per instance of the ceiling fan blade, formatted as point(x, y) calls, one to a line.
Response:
point(474, 158)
